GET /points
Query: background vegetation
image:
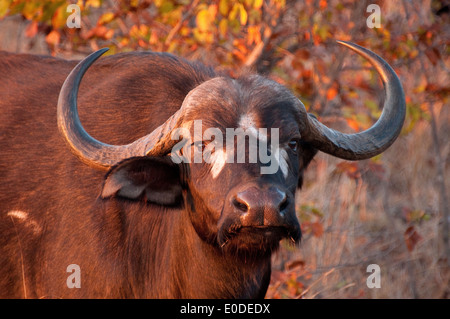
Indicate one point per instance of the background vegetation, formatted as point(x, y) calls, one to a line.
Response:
point(391, 210)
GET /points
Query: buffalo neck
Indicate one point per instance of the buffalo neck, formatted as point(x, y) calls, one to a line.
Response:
point(177, 263)
point(206, 271)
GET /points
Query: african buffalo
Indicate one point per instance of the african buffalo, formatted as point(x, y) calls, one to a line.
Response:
point(132, 215)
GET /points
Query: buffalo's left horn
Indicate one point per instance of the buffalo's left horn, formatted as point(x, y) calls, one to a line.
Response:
point(374, 140)
point(93, 152)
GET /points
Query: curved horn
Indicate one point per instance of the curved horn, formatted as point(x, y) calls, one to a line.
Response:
point(93, 152)
point(374, 140)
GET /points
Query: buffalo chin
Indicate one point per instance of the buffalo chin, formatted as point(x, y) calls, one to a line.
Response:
point(255, 241)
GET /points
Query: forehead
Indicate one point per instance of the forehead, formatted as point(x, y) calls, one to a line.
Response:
point(251, 101)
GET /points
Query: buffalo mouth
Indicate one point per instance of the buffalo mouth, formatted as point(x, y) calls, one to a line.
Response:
point(256, 240)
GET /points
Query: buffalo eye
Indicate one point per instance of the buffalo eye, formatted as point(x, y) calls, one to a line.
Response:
point(293, 145)
point(200, 146)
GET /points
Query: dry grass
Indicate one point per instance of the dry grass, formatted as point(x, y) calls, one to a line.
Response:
point(364, 222)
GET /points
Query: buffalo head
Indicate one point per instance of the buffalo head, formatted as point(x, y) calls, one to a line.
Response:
point(235, 200)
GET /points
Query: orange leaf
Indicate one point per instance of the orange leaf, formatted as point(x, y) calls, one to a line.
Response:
point(53, 38)
point(350, 168)
point(4, 7)
point(154, 39)
point(353, 124)
point(142, 43)
point(331, 93)
point(103, 32)
point(106, 18)
point(224, 7)
point(253, 35)
point(223, 27)
point(32, 29)
point(212, 10)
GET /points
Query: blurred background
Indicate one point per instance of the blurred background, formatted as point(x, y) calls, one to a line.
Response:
point(391, 210)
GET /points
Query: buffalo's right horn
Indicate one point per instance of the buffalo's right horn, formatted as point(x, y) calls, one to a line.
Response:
point(93, 152)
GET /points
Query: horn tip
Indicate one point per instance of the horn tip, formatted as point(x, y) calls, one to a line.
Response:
point(101, 51)
point(348, 44)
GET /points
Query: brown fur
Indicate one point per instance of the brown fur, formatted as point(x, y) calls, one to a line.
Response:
point(128, 248)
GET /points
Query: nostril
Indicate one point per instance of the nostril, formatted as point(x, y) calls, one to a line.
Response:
point(241, 205)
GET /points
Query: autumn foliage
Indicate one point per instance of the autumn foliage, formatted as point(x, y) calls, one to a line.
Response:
point(400, 194)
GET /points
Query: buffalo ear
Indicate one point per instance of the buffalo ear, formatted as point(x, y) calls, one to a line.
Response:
point(307, 153)
point(154, 179)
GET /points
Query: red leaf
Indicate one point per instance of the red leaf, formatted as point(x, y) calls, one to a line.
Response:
point(317, 229)
point(433, 55)
point(412, 237)
point(298, 263)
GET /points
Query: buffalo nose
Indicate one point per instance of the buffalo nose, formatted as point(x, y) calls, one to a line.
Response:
point(261, 207)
